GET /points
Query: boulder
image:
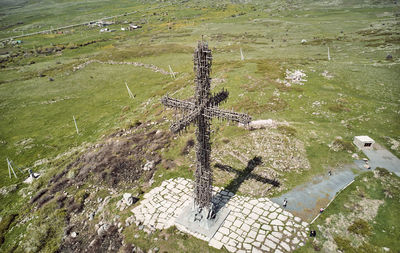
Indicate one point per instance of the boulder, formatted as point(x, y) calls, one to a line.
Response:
point(148, 166)
point(127, 199)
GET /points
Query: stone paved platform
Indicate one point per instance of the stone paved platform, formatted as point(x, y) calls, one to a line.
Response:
point(253, 225)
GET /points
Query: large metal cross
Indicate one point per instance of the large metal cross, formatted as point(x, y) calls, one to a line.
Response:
point(200, 112)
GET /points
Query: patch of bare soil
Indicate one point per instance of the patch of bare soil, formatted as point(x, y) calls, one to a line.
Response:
point(279, 154)
point(109, 240)
point(115, 164)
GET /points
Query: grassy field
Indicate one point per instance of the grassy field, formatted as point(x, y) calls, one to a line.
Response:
point(356, 92)
point(363, 218)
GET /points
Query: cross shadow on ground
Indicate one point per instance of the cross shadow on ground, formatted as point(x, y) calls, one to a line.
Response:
point(222, 197)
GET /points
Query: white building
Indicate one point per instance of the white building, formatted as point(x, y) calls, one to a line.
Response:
point(363, 142)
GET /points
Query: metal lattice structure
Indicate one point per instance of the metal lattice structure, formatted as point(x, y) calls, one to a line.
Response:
point(200, 112)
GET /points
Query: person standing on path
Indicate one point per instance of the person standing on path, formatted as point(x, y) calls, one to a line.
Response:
point(284, 203)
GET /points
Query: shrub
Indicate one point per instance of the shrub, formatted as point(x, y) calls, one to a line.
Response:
point(343, 145)
point(360, 227)
point(287, 130)
point(5, 224)
point(338, 108)
point(343, 244)
point(382, 172)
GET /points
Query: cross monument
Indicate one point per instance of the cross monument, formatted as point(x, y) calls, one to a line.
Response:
point(200, 112)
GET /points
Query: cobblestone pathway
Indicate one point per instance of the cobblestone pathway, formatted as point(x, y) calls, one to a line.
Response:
point(253, 225)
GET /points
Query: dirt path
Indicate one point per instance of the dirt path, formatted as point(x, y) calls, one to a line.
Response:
point(306, 200)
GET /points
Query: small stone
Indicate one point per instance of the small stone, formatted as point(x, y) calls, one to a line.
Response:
point(73, 234)
point(91, 215)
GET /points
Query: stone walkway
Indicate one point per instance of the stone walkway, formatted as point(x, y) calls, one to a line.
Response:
point(253, 225)
point(305, 200)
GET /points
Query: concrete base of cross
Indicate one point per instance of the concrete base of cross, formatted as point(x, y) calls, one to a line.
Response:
point(197, 224)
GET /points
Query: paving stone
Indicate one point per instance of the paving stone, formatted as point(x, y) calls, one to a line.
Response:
point(266, 227)
point(248, 206)
point(225, 239)
point(272, 215)
point(274, 239)
point(218, 236)
point(247, 246)
point(253, 202)
point(256, 244)
point(252, 234)
point(249, 221)
point(232, 242)
point(255, 250)
point(227, 223)
point(265, 248)
point(260, 238)
point(287, 233)
point(224, 231)
point(246, 211)
point(245, 227)
point(230, 218)
point(270, 243)
point(254, 216)
point(285, 246)
point(256, 225)
point(248, 240)
point(277, 235)
point(233, 235)
point(277, 223)
point(238, 223)
point(258, 211)
point(230, 248)
point(216, 244)
point(282, 217)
